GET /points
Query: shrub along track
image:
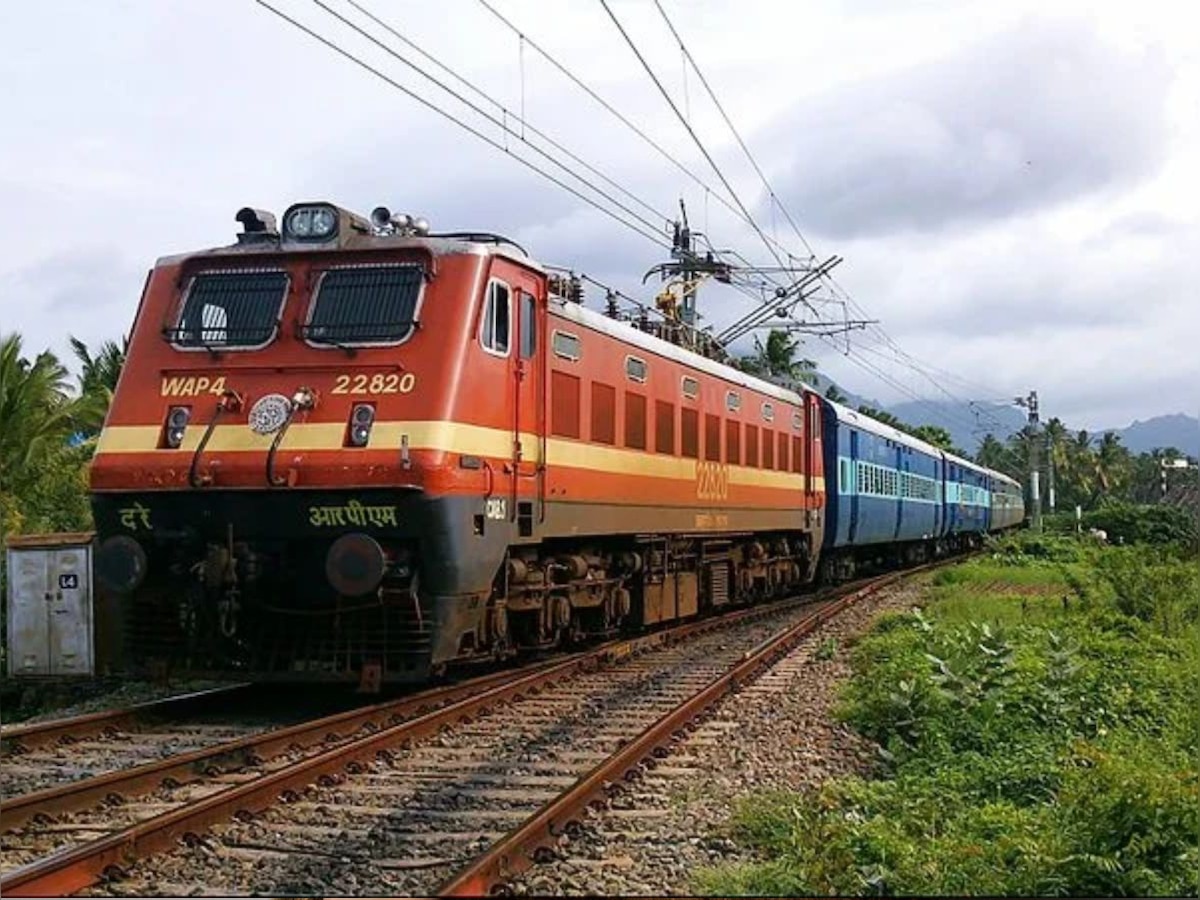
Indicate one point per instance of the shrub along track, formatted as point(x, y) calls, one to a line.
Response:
point(406, 804)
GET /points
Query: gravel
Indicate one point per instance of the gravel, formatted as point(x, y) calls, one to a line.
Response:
point(778, 733)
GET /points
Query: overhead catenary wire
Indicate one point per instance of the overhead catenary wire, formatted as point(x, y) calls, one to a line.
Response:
point(499, 122)
point(631, 220)
point(429, 104)
point(611, 109)
point(691, 132)
point(774, 198)
point(480, 92)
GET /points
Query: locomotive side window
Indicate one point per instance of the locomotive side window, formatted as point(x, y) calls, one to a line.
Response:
point(365, 305)
point(495, 330)
point(636, 369)
point(691, 387)
point(528, 336)
point(566, 346)
point(664, 427)
point(230, 309)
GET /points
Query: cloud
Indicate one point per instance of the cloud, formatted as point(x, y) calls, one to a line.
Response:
point(1028, 118)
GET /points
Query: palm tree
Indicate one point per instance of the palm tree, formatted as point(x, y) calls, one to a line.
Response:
point(991, 453)
point(1112, 463)
point(777, 361)
point(834, 394)
point(97, 381)
point(35, 409)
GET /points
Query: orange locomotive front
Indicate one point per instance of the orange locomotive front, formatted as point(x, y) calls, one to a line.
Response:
point(357, 446)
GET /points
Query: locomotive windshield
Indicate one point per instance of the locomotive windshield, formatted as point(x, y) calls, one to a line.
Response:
point(365, 305)
point(230, 309)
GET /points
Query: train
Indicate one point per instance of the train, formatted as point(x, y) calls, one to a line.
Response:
point(351, 448)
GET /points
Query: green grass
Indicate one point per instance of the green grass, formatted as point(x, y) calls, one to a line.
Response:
point(1027, 746)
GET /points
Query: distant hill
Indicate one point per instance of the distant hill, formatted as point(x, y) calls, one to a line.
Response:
point(1178, 430)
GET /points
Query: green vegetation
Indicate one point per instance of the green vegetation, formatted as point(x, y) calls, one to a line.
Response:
point(1038, 728)
point(47, 435)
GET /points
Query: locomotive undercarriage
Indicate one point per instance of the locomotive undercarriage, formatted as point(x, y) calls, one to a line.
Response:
point(564, 592)
point(227, 585)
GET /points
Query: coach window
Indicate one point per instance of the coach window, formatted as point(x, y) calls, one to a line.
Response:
point(494, 332)
point(528, 336)
point(689, 433)
point(752, 445)
point(664, 427)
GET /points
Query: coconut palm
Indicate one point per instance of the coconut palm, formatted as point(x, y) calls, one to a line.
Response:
point(97, 381)
point(35, 409)
point(777, 361)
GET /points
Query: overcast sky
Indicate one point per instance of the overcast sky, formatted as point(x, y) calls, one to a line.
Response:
point(1014, 186)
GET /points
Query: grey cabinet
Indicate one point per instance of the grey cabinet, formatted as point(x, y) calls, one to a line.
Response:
point(50, 605)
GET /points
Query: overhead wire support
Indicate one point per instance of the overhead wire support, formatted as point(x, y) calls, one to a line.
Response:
point(691, 131)
point(470, 129)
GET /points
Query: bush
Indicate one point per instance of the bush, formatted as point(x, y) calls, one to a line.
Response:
point(1033, 758)
point(1132, 523)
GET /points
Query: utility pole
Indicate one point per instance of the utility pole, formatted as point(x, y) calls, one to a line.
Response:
point(1035, 490)
point(1050, 472)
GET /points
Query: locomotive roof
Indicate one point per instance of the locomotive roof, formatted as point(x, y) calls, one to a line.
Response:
point(626, 332)
point(438, 245)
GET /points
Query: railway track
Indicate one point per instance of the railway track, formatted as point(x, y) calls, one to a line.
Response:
point(407, 792)
point(55, 751)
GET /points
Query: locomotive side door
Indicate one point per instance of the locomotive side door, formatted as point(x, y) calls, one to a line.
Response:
point(526, 503)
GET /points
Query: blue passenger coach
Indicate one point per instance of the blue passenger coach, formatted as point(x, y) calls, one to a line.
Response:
point(968, 497)
point(888, 500)
point(895, 499)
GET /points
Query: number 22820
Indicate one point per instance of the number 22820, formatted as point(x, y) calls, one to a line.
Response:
point(379, 383)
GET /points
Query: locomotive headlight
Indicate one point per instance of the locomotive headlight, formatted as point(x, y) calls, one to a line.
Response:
point(177, 422)
point(316, 222)
point(362, 417)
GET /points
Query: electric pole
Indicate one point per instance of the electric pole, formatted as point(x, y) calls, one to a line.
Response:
point(1050, 472)
point(1035, 489)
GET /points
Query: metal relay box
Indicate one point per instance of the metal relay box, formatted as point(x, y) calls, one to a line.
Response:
point(50, 605)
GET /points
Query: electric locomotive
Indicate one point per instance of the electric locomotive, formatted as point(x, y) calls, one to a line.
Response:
point(351, 448)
